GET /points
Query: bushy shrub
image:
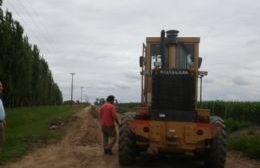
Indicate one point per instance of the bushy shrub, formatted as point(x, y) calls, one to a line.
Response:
point(234, 125)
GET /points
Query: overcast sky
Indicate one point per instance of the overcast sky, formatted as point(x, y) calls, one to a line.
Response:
point(101, 41)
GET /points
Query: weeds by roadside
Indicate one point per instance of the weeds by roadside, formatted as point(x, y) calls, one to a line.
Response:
point(234, 125)
point(247, 144)
point(94, 111)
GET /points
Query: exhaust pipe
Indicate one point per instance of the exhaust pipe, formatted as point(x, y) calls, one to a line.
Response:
point(166, 42)
point(171, 36)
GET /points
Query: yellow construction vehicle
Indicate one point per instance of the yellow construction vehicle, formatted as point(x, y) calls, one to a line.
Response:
point(169, 120)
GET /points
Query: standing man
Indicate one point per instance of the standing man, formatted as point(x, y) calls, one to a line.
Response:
point(108, 117)
point(2, 117)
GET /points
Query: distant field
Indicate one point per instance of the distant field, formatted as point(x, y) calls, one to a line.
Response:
point(248, 112)
point(32, 127)
point(126, 107)
point(239, 111)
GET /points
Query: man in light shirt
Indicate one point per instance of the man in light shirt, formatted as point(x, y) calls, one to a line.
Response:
point(2, 117)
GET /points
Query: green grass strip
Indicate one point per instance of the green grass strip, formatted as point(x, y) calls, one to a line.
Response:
point(247, 144)
point(28, 127)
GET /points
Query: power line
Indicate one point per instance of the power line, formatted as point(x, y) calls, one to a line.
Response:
point(32, 27)
point(42, 26)
point(17, 13)
point(46, 43)
point(35, 13)
point(32, 34)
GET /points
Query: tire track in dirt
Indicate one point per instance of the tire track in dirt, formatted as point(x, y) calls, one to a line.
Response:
point(82, 148)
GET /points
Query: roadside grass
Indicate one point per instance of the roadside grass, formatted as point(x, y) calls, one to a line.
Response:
point(234, 125)
point(244, 137)
point(29, 127)
point(249, 145)
point(94, 111)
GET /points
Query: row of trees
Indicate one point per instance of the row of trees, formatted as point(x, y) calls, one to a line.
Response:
point(100, 101)
point(24, 73)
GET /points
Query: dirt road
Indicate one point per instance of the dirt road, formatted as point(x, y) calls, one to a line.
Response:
point(81, 148)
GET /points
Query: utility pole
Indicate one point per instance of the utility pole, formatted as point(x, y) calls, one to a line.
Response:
point(71, 94)
point(86, 98)
point(81, 88)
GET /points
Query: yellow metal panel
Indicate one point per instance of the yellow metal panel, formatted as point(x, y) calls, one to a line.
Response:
point(188, 39)
point(190, 130)
point(153, 39)
point(139, 130)
point(203, 112)
point(157, 131)
point(183, 134)
point(172, 57)
point(142, 109)
point(148, 84)
point(186, 132)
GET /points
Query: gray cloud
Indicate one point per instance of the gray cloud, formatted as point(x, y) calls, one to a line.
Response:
point(240, 81)
point(252, 42)
point(100, 41)
point(208, 81)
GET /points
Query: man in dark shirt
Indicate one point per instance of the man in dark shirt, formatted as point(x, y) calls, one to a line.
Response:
point(108, 117)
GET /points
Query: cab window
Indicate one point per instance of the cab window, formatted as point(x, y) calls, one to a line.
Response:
point(156, 57)
point(184, 56)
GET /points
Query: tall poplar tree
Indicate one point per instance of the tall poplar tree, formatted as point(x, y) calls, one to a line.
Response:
point(23, 71)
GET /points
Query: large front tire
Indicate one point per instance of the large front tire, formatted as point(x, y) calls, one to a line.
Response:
point(127, 143)
point(216, 154)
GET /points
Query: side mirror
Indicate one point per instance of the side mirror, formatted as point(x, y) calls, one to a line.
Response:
point(141, 61)
point(200, 61)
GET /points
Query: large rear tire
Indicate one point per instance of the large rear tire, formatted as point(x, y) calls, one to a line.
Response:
point(216, 154)
point(127, 142)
